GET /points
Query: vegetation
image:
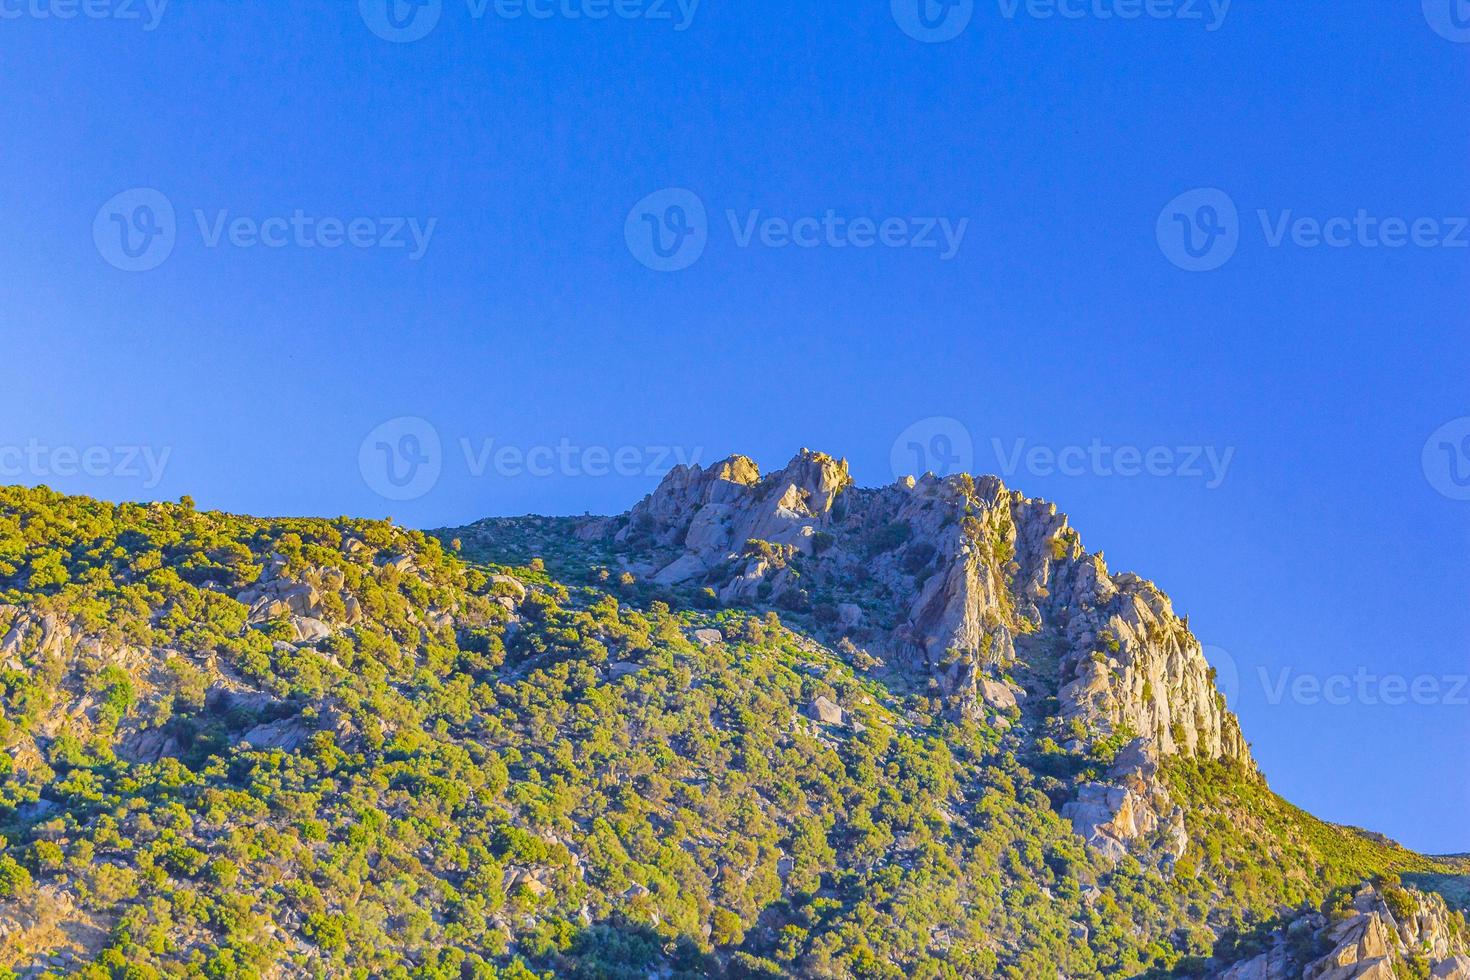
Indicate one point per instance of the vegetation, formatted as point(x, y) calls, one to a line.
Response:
point(499, 771)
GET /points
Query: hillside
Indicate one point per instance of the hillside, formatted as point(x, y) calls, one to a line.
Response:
point(756, 727)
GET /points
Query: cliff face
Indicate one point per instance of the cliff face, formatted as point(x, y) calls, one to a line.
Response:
point(949, 575)
point(968, 587)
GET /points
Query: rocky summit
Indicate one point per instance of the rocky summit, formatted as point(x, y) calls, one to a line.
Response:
point(983, 595)
point(757, 726)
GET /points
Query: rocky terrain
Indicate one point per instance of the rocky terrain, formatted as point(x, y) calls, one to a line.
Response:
point(1379, 932)
point(977, 591)
point(755, 727)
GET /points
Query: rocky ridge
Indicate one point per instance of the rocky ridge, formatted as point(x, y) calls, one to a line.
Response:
point(968, 587)
point(1380, 933)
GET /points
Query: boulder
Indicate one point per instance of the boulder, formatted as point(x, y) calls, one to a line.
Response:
point(288, 734)
point(997, 694)
point(681, 569)
point(624, 668)
point(148, 746)
point(309, 629)
point(1109, 817)
point(823, 709)
point(512, 585)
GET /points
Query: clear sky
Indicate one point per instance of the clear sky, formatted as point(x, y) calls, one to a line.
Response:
point(242, 241)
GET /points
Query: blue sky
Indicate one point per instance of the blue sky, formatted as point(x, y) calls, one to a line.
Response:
point(369, 226)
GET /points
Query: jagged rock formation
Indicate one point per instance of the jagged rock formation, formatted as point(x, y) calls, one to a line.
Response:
point(1381, 934)
point(1131, 805)
point(963, 582)
point(962, 567)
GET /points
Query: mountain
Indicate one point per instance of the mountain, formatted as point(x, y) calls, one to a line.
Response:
point(758, 726)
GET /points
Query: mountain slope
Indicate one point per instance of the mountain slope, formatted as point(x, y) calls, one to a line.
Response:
point(974, 592)
point(244, 747)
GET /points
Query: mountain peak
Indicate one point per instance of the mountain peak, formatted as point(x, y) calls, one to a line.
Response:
point(960, 585)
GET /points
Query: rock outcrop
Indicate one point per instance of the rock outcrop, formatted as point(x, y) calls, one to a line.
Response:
point(956, 570)
point(317, 597)
point(1382, 932)
point(957, 580)
point(1131, 805)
